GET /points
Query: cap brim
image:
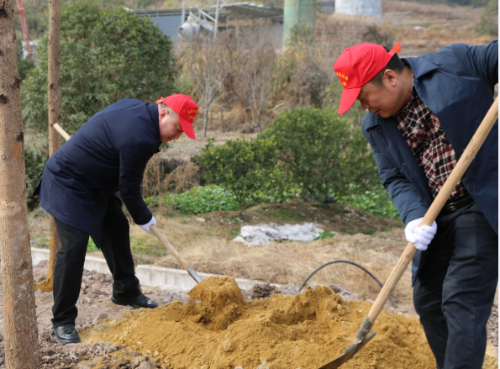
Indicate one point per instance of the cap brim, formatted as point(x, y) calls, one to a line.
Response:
point(348, 99)
point(187, 127)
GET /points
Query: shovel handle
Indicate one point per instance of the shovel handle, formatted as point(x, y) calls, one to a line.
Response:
point(169, 247)
point(435, 208)
point(61, 131)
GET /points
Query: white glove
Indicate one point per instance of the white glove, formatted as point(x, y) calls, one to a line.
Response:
point(148, 224)
point(422, 236)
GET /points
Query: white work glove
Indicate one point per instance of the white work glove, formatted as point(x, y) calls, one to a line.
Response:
point(148, 224)
point(422, 236)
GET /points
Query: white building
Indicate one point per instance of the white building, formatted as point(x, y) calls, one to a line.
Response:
point(370, 8)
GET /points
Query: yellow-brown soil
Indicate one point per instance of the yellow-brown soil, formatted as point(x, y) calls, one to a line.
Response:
point(219, 329)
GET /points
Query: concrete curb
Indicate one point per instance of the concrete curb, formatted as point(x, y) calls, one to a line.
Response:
point(151, 276)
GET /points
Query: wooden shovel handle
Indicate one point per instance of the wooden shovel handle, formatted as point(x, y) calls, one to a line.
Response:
point(61, 131)
point(436, 206)
point(169, 247)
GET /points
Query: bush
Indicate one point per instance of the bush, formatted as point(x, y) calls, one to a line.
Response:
point(323, 153)
point(106, 55)
point(375, 202)
point(247, 168)
point(35, 157)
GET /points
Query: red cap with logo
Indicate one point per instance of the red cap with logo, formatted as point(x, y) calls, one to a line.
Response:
point(357, 66)
point(187, 110)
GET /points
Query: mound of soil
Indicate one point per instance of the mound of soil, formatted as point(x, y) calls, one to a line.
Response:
point(218, 329)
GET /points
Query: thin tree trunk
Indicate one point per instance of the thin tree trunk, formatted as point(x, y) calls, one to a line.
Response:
point(20, 327)
point(54, 100)
point(205, 121)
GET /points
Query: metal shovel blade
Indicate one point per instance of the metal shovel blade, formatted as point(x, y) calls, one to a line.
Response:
point(349, 353)
point(193, 274)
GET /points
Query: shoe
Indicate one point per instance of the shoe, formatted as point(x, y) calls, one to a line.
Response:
point(137, 302)
point(67, 333)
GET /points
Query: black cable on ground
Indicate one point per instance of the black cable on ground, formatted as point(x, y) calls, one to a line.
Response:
point(346, 262)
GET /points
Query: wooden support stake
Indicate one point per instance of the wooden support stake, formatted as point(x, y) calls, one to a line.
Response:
point(19, 324)
point(54, 100)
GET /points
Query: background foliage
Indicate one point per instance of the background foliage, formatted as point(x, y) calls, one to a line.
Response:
point(35, 157)
point(106, 55)
point(322, 152)
point(247, 168)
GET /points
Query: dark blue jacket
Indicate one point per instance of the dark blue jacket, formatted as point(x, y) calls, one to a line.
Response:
point(457, 84)
point(108, 154)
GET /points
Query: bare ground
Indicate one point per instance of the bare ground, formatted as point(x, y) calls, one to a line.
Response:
point(95, 307)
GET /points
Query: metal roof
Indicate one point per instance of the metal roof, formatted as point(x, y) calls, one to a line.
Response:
point(233, 11)
point(249, 11)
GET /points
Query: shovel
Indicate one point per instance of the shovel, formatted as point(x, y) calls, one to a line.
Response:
point(176, 254)
point(153, 229)
point(362, 338)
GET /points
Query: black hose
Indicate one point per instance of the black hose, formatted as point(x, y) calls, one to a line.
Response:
point(347, 262)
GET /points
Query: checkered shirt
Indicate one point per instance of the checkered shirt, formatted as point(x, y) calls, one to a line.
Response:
point(428, 143)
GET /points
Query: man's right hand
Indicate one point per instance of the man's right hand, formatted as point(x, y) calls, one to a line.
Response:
point(148, 224)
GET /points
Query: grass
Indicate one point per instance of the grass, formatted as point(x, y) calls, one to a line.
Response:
point(376, 203)
point(284, 214)
point(208, 248)
point(147, 247)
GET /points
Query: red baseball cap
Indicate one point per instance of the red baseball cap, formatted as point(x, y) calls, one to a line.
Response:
point(357, 66)
point(187, 110)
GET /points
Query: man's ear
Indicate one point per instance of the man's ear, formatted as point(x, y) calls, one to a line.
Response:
point(163, 113)
point(390, 78)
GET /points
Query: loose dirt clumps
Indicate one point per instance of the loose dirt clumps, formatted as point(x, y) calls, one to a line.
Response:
point(218, 329)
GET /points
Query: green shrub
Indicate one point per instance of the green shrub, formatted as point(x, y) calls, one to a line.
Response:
point(322, 152)
point(35, 157)
point(106, 55)
point(246, 168)
point(204, 200)
point(375, 202)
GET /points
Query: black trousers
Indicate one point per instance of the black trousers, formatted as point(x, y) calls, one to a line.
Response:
point(68, 271)
point(455, 288)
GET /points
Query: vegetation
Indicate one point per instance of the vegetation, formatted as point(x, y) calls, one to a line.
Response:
point(35, 157)
point(247, 168)
point(321, 152)
point(103, 54)
point(37, 12)
point(488, 23)
point(375, 202)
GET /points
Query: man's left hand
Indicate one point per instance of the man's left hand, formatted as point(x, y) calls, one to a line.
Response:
point(421, 236)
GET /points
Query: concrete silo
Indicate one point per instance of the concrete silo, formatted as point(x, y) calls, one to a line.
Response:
point(370, 8)
point(298, 12)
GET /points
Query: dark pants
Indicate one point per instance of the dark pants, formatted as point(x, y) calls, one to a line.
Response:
point(455, 288)
point(68, 272)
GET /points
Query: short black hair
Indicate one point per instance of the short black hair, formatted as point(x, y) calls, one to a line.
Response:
point(395, 64)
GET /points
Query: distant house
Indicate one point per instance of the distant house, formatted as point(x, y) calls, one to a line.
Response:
point(169, 20)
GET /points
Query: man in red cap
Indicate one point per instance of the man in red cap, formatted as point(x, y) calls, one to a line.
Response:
point(422, 113)
point(78, 188)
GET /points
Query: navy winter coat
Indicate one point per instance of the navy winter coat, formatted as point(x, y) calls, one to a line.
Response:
point(457, 84)
point(108, 154)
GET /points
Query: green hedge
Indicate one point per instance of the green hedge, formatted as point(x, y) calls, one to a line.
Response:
point(322, 153)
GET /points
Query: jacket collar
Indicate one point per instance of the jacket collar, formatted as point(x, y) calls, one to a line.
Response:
point(153, 111)
point(420, 66)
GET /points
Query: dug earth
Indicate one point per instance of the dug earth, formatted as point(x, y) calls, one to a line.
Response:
point(218, 329)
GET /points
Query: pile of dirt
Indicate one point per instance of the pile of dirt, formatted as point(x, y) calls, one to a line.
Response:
point(217, 328)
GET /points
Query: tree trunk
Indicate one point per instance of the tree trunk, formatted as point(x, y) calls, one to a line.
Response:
point(205, 120)
point(20, 326)
point(54, 102)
